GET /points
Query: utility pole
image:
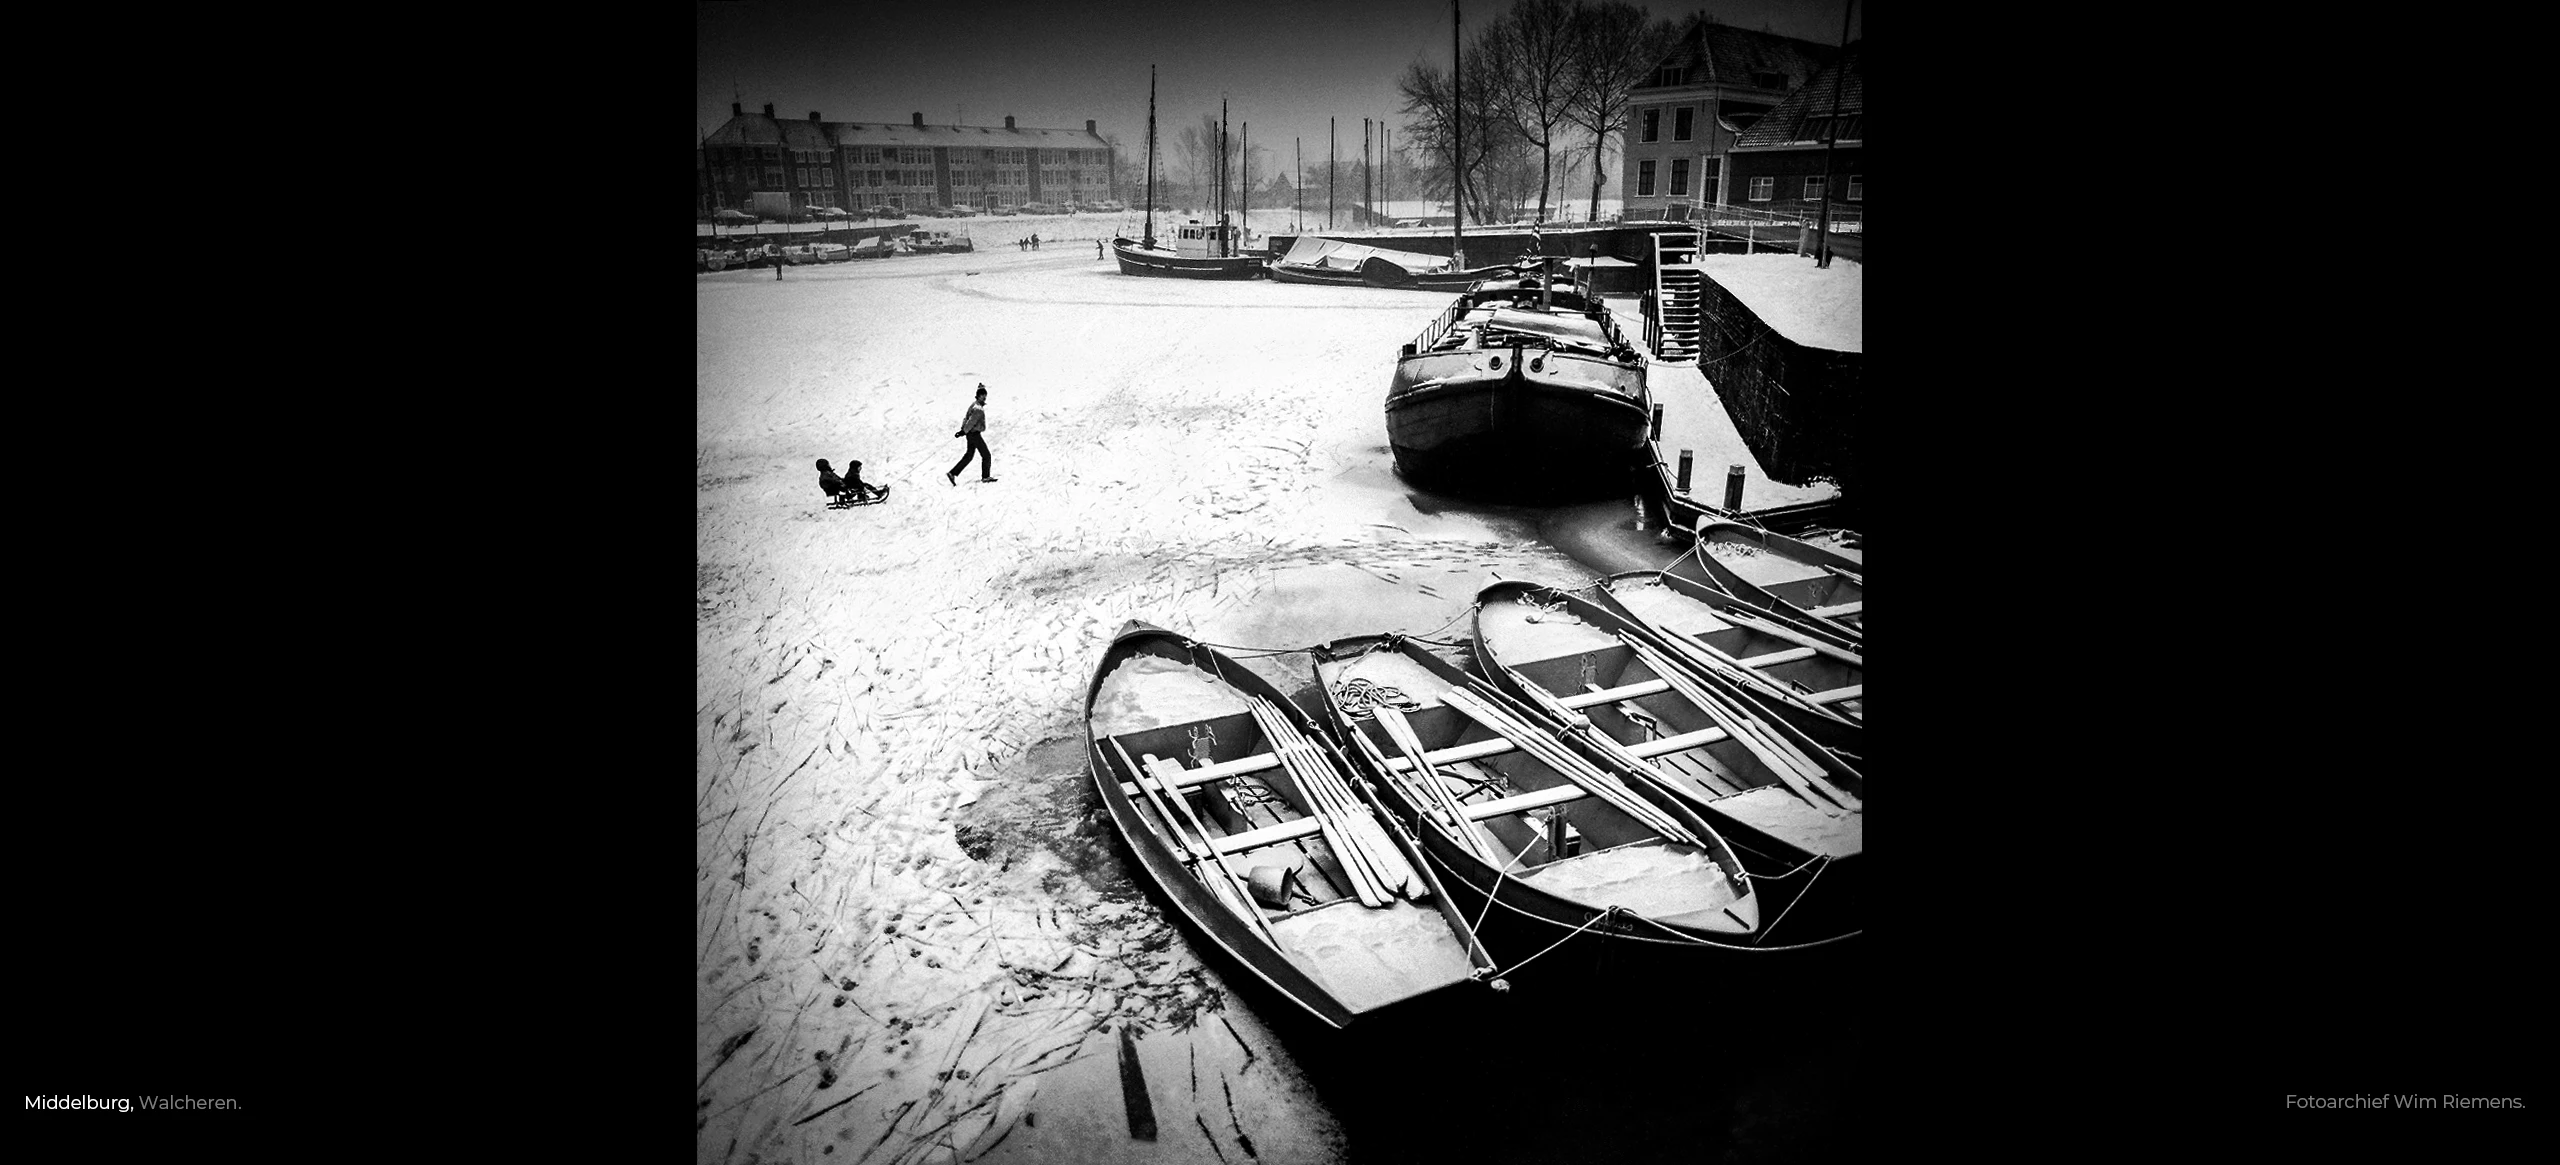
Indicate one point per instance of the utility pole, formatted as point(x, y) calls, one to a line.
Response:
point(1298, 187)
point(1330, 165)
point(1839, 81)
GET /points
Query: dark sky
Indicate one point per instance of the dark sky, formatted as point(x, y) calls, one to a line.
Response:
point(1283, 66)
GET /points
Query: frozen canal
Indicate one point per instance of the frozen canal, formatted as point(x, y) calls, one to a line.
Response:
point(916, 941)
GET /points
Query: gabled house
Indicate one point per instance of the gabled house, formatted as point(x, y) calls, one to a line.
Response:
point(1715, 84)
point(1778, 164)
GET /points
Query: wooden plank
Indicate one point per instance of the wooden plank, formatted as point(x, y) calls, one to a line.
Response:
point(1581, 700)
point(1452, 755)
point(1523, 802)
point(1835, 695)
point(1217, 772)
point(1268, 835)
point(1837, 610)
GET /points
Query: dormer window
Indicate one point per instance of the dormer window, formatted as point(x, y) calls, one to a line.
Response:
point(1767, 80)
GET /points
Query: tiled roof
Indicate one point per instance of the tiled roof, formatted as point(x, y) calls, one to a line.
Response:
point(1779, 126)
point(746, 130)
point(757, 130)
point(1720, 54)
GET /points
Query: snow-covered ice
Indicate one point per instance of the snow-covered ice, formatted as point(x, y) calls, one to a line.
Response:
point(909, 932)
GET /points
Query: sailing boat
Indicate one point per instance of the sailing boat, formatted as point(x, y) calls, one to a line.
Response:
point(1197, 250)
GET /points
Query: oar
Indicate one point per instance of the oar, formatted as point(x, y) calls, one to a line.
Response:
point(1783, 760)
point(1400, 731)
point(1394, 877)
point(1365, 883)
point(1412, 848)
point(1554, 754)
point(1238, 899)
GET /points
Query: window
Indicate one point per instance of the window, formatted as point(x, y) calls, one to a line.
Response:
point(1857, 187)
point(1644, 178)
point(1813, 187)
point(1762, 189)
point(1653, 125)
point(1680, 175)
point(1680, 123)
point(827, 175)
point(773, 177)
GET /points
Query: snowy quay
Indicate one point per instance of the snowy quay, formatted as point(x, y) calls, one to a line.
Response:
point(917, 937)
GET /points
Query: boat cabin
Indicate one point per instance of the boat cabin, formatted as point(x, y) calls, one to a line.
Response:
point(1199, 240)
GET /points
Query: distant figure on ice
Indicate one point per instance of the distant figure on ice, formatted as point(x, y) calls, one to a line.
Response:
point(973, 427)
point(1097, 248)
point(1035, 242)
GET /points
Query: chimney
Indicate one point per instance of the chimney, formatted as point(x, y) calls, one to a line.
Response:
point(1088, 125)
point(1008, 121)
point(919, 120)
point(768, 109)
point(813, 117)
point(737, 109)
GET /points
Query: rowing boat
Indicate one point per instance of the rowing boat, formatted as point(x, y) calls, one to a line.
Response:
point(1513, 815)
point(1808, 664)
point(1696, 727)
point(1787, 574)
point(1238, 807)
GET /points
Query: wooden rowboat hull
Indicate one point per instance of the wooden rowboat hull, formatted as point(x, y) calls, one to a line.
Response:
point(1480, 883)
point(1835, 664)
point(1432, 960)
point(1806, 598)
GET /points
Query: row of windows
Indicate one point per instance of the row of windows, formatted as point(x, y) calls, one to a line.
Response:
point(1683, 123)
point(825, 176)
point(920, 156)
point(1763, 189)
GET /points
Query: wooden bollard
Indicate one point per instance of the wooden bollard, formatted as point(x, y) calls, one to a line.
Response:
point(1684, 470)
point(1657, 424)
point(1733, 488)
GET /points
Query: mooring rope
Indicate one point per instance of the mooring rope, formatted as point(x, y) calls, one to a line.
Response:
point(1596, 920)
point(1757, 939)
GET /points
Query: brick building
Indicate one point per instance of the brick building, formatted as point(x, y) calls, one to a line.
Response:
point(1684, 120)
point(909, 167)
point(1778, 163)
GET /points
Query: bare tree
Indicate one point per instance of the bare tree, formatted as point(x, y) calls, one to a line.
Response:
point(1530, 54)
point(1197, 146)
point(1615, 47)
point(1431, 128)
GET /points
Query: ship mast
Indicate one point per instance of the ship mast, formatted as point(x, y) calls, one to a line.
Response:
point(1147, 234)
point(1222, 177)
point(1457, 146)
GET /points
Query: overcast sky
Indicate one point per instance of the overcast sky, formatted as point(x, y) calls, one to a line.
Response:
point(1283, 66)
